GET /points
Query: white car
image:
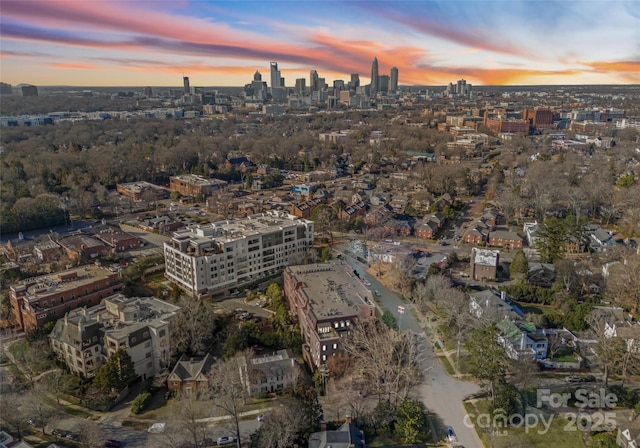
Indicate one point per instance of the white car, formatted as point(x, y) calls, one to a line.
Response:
point(226, 440)
point(157, 428)
point(366, 282)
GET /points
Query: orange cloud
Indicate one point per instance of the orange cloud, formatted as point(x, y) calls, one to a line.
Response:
point(615, 66)
point(72, 66)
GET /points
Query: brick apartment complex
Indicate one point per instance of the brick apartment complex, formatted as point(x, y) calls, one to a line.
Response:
point(118, 240)
point(194, 185)
point(328, 299)
point(87, 337)
point(38, 300)
point(511, 126)
point(142, 190)
point(506, 239)
point(213, 258)
point(539, 118)
point(484, 263)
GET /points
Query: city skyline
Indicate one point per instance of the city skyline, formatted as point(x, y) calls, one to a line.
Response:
point(105, 43)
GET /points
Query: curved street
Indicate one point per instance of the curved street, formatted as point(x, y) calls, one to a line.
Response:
point(441, 393)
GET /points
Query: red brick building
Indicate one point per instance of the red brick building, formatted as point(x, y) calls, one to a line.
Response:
point(38, 300)
point(190, 375)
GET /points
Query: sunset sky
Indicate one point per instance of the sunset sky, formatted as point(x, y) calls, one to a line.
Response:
point(222, 43)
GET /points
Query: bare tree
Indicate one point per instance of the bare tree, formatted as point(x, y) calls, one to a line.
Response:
point(459, 318)
point(91, 435)
point(623, 282)
point(609, 348)
point(41, 413)
point(281, 426)
point(193, 327)
point(190, 412)
point(228, 391)
point(388, 361)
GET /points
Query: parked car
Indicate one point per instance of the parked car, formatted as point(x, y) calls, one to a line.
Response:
point(111, 443)
point(572, 379)
point(377, 293)
point(59, 432)
point(157, 428)
point(451, 435)
point(226, 440)
point(260, 417)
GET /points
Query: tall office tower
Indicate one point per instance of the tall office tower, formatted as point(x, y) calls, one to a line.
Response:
point(187, 88)
point(355, 81)
point(281, 80)
point(375, 82)
point(300, 86)
point(148, 91)
point(461, 87)
point(313, 80)
point(393, 86)
point(338, 84)
point(275, 75)
point(383, 83)
point(257, 76)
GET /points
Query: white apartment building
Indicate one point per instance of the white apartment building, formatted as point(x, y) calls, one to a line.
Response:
point(213, 258)
point(86, 337)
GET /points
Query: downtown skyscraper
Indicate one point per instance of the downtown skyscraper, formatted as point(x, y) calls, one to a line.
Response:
point(375, 82)
point(393, 84)
point(275, 75)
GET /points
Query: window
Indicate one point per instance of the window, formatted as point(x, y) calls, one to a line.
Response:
point(324, 357)
point(335, 346)
point(324, 348)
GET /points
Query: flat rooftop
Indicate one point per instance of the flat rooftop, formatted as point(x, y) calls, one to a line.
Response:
point(202, 181)
point(45, 285)
point(225, 231)
point(333, 289)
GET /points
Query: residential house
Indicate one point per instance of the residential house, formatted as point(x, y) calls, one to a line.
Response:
point(235, 162)
point(352, 211)
point(79, 246)
point(505, 239)
point(628, 434)
point(47, 251)
point(303, 209)
point(522, 340)
point(190, 374)
point(598, 237)
point(268, 373)
point(346, 436)
point(484, 263)
point(378, 215)
point(161, 224)
point(541, 274)
point(492, 307)
point(426, 229)
point(477, 233)
point(530, 230)
point(490, 217)
point(398, 227)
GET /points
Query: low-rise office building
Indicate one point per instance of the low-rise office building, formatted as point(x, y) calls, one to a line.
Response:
point(213, 258)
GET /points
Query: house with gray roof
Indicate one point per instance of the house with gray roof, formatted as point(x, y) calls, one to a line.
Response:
point(346, 436)
point(189, 375)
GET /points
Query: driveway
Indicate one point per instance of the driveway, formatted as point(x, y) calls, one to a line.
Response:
point(441, 393)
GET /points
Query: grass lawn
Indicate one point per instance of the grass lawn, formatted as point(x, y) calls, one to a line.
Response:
point(384, 441)
point(447, 365)
point(559, 434)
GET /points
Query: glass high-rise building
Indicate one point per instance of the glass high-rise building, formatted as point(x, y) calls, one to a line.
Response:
point(275, 75)
point(375, 82)
point(313, 80)
point(187, 88)
point(393, 84)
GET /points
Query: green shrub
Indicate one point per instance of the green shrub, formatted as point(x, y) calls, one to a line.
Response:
point(140, 402)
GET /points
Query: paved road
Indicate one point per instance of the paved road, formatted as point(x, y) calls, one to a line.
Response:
point(441, 393)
